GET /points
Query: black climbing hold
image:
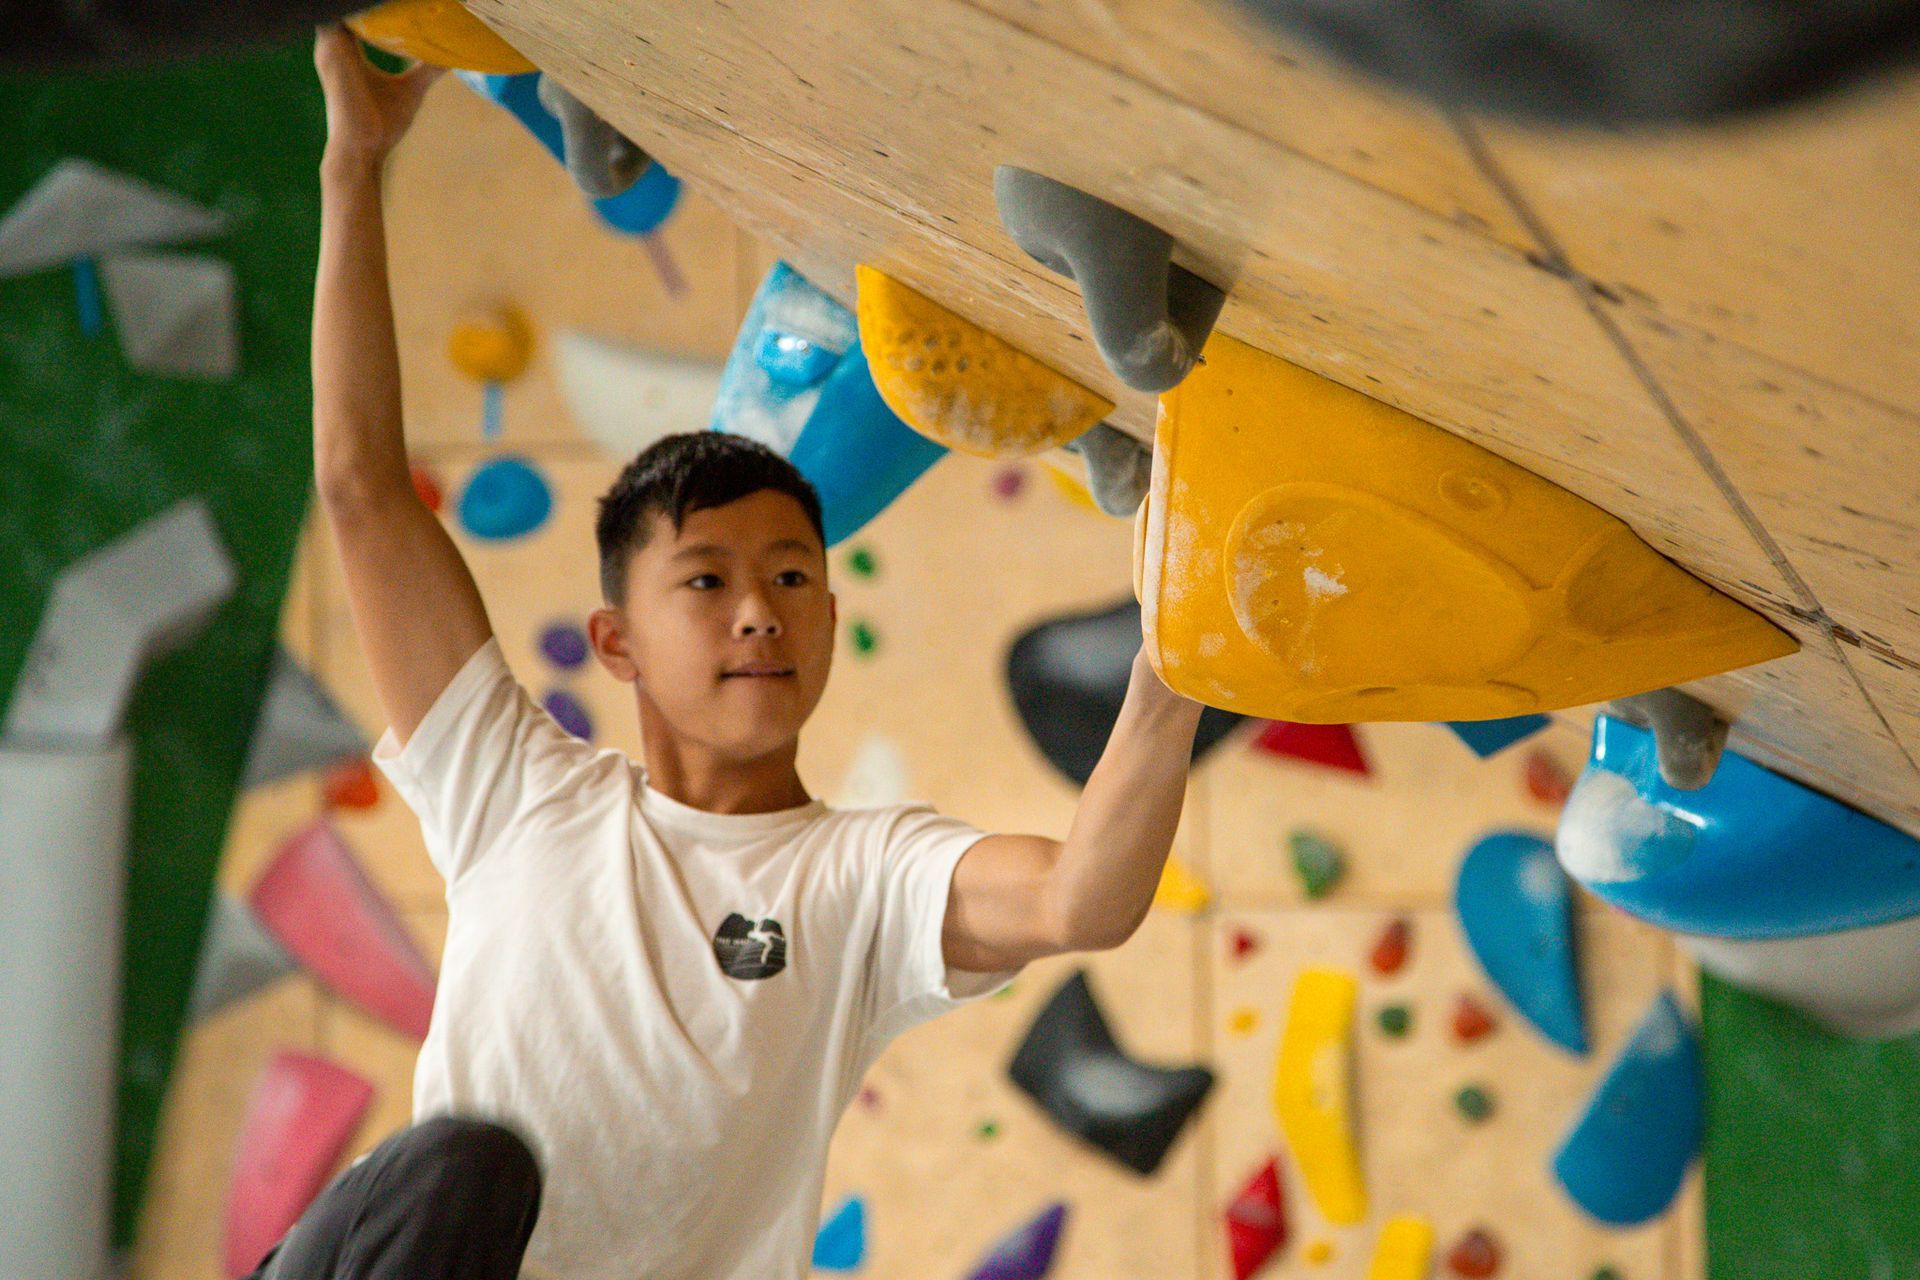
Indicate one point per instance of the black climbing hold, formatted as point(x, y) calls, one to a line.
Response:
point(1150, 317)
point(1068, 677)
point(1071, 1066)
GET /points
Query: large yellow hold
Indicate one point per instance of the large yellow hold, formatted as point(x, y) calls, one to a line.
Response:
point(1308, 553)
point(957, 384)
point(441, 33)
point(1313, 1092)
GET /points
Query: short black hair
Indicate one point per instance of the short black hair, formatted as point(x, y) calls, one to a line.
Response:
point(678, 475)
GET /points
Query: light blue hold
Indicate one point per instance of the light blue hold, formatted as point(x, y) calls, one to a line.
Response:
point(1627, 1154)
point(1750, 855)
point(1489, 736)
point(841, 1244)
point(1516, 908)
point(637, 211)
point(798, 383)
point(504, 498)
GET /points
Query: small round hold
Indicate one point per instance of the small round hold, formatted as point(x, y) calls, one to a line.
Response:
point(987, 1130)
point(1389, 954)
point(568, 714)
point(863, 637)
point(1476, 1256)
point(494, 345)
point(861, 563)
point(505, 498)
point(1604, 1272)
point(1473, 1103)
point(1394, 1020)
point(1547, 779)
point(1320, 1252)
point(1242, 1022)
point(1008, 482)
point(1471, 1020)
point(564, 645)
point(1243, 943)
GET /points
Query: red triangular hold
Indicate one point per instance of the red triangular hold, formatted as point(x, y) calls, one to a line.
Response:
point(1256, 1221)
point(320, 905)
point(1332, 745)
point(303, 1112)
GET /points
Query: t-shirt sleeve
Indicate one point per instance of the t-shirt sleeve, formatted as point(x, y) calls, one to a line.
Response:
point(483, 755)
point(909, 979)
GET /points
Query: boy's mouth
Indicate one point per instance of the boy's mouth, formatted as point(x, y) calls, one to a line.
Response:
point(758, 671)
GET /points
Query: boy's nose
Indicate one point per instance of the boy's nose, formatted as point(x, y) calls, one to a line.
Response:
point(756, 619)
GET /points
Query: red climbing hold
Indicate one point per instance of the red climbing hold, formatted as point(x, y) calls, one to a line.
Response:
point(1244, 943)
point(427, 486)
point(1476, 1256)
point(1256, 1221)
point(350, 784)
point(1389, 954)
point(1332, 745)
point(1471, 1020)
point(1547, 780)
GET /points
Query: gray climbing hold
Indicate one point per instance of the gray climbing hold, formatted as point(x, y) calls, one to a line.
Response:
point(1688, 734)
point(299, 729)
point(602, 160)
point(1150, 317)
point(1118, 468)
point(237, 958)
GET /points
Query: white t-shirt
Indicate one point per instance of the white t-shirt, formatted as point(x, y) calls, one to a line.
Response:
point(681, 1113)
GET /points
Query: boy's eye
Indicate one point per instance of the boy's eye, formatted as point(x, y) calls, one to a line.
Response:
point(704, 582)
point(792, 578)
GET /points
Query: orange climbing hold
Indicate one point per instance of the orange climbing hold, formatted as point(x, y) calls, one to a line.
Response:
point(1389, 954)
point(439, 32)
point(1475, 1256)
point(350, 784)
point(1471, 1020)
point(955, 383)
point(1547, 779)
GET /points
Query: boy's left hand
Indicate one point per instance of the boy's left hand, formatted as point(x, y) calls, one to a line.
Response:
point(368, 111)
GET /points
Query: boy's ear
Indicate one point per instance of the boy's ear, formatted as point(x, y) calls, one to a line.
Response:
point(607, 631)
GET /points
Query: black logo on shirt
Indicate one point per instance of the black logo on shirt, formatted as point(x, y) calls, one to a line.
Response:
point(748, 950)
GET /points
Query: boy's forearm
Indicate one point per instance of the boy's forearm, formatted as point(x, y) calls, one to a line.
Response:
point(1110, 863)
point(358, 443)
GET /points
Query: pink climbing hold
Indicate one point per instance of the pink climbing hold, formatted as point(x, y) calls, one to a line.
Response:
point(1256, 1221)
point(317, 901)
point(303, 1112)
point(1389, 954)
point(1008, 482)
point(1331, 745)
point(1243, 943)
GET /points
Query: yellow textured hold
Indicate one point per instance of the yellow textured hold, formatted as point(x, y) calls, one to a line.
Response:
point(1404, 1251)
point(954, 382)
point(1308, 553)
point(440, 32)
point(1313, 1091)
point(1320, 1252)
point(492, 346)
point(1180, 889)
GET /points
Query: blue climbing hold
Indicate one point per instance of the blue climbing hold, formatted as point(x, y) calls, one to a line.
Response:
point(1489, 736)
point(568, 714)
point(797, 382)
point(1625, 1157)
point(638, 211)
point(564, 645)
point(1516, 908)
point(504, 498)
point(1750, 855)
point(841, 1244)
point(1028, 1253)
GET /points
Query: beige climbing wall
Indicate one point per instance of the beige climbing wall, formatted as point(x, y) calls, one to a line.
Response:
point(1710, 335)
point(960, 573)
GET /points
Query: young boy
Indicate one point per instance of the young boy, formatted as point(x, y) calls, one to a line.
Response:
point(662, 981)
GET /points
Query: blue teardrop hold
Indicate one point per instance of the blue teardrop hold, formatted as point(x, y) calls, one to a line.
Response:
point(505, 498)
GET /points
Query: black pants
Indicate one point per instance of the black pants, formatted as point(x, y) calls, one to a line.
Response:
point(448, 1199)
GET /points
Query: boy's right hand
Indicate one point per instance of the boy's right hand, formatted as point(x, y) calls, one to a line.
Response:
point(368, 111)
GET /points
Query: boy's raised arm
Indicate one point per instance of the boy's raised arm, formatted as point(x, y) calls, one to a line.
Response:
point(415, 605)
point(1018, 898)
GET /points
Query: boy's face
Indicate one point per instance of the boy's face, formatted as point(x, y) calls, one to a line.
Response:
point(728, 626)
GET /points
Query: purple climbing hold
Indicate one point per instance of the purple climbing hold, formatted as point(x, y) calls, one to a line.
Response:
point(564, 645)
point(1027, 1254)
point(567, 711)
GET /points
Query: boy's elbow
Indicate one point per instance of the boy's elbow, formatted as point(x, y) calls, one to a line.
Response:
point(1093, 929)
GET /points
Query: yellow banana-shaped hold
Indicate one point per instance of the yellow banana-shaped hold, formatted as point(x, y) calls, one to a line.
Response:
point(1405, 1249)
point(955, 383)
point(1308, 553)
point(439, 32)
point(1313, 1091)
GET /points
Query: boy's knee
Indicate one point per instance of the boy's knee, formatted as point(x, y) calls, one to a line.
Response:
point(449, 1152)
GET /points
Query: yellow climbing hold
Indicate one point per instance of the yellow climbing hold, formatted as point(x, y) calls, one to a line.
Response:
point(1181, 890)
point(1308, 553)
point(1242, 1021)
point(1313, 1091)
point(492, 345)
point(1404, 1251)
point(954, 382)
point(440, 32)
point(1320, 1252)
point(1063, 471)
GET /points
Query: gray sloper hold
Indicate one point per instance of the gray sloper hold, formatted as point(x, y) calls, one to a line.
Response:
point(1119, 468)
point(1688, 734)
point(299, 729)
point(603, 161)
point(1150, 316)
point(237, 958)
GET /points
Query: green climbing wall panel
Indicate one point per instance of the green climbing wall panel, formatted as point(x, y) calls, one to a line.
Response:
point(1812, 1144)
point(89, 448)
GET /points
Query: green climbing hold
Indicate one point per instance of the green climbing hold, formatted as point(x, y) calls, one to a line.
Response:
point(861, 564)
point(1474, 1103)
point(1395, 1020)
point(987, 1130)
point(1318, 861)
point(1605, 1273)
point(865, 638)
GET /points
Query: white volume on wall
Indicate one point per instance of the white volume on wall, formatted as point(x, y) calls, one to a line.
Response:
point(63, 831)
